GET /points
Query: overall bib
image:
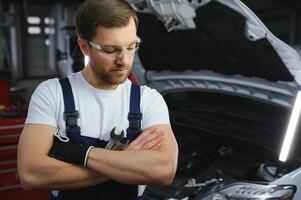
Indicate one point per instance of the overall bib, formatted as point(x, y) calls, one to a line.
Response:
point(111, 189)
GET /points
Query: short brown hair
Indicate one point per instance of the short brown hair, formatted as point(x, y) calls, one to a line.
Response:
point(107, 13)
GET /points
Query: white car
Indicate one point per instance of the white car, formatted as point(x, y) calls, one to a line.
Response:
point(230, 86)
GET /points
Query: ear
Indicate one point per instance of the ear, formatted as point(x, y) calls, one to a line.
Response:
point(83, 45)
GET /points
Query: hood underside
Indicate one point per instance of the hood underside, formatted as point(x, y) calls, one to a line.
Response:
point(227, 120)
point(218, 43)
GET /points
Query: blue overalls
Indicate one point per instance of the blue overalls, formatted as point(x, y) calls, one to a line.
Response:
point(111, 189)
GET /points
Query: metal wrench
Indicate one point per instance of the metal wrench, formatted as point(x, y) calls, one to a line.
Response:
point(116, 136)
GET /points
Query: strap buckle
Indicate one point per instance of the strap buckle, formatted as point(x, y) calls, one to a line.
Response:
point(71, 119)
point(135, 121)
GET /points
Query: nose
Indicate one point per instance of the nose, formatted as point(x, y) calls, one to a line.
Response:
point(123, 58)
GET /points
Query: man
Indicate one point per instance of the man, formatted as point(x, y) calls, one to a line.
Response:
point(61, 149)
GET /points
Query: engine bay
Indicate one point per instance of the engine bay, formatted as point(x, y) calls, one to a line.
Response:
point(221, 144)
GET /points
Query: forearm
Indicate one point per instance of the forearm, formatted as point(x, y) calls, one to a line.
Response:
point(133, 167)
point(37, 170)
point(50, 173)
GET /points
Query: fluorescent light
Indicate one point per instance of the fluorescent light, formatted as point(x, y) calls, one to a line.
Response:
point(47, 42)
point(86, 60)
point(34, 30)
point(33, 20)
point(49, 21)
point(49, 30)
point(290, 132)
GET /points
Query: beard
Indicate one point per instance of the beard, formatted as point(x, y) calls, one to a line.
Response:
point(114, 77)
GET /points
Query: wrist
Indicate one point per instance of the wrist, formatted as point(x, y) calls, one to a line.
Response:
point(96, 156)
point(87, 155)
point(69, 152)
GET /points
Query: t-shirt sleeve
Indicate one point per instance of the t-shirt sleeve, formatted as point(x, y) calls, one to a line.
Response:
point(153, 107)
point(42, 107)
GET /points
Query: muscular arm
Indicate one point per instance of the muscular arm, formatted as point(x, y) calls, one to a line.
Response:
point(39, 171)
point(139, 166)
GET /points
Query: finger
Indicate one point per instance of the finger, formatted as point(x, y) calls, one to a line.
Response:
point(154, 142)
point(156, 147)
point(151, 137)
point(147, 136)
point(132, 146)
point(143, 138)
point(143, 135)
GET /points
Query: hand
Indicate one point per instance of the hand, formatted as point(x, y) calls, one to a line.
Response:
point(150, 139)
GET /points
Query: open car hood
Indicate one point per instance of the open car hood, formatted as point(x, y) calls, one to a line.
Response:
point(223, 36)
point(228, 82)
point(223, 74)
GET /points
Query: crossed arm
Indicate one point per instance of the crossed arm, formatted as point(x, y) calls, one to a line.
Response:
point(139, 166)
point(155, 150)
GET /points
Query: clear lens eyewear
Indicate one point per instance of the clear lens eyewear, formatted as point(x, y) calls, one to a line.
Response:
point(114, 52)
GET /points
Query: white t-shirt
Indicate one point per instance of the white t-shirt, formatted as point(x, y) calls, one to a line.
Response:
point(99, 110)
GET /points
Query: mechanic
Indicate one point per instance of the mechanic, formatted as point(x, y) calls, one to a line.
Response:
point(67, 144)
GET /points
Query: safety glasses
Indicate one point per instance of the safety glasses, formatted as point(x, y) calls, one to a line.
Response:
point(115, 52)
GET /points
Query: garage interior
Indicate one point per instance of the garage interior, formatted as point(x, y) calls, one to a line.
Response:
point(233, 134)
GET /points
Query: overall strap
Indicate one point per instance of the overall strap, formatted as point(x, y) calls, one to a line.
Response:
point(135, 118)
point(135, 115)
point(70, 114)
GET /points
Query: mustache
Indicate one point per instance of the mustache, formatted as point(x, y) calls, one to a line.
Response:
point(119, 68)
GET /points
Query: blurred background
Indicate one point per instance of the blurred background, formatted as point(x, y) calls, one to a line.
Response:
point(38, 42)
